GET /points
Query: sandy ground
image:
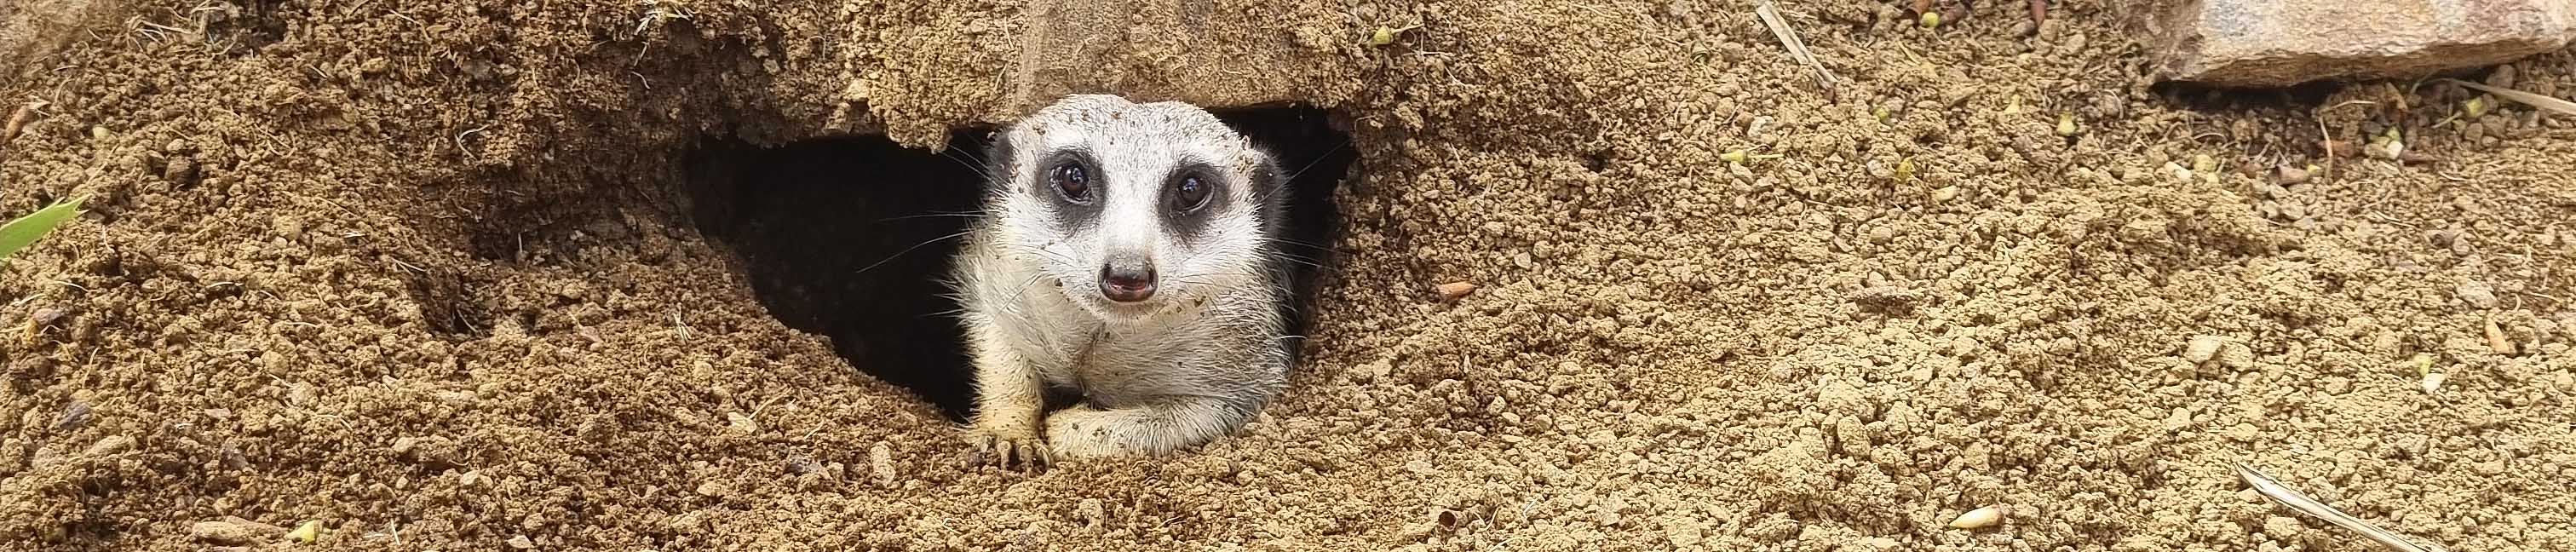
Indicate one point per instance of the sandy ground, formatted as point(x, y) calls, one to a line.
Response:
point(434, 275)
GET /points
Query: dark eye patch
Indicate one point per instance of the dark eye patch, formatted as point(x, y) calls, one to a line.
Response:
point(1192, 194)
point(1072, 210)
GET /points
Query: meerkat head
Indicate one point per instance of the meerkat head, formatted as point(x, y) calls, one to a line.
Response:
point(1135, 209)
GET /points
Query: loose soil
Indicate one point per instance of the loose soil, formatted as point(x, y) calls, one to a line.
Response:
point(437, 276)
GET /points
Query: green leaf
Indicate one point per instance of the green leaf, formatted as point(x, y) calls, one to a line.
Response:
point(18, 233)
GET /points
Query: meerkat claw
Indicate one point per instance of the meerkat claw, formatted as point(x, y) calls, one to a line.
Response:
point(1008, 451)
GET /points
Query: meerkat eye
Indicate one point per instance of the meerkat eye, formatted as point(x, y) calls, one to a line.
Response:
point(1191, 193)
point(1069, 179)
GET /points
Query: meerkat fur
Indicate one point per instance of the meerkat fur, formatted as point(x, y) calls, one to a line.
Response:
point(1127, 251)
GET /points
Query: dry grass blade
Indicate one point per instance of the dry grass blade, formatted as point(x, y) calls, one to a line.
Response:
point(2286, 497)
point(2563, 107)
point(1797, 50)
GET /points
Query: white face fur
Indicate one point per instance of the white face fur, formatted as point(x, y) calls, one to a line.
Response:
point(1137, 210)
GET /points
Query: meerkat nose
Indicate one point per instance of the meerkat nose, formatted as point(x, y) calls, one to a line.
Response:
point(1127, 280)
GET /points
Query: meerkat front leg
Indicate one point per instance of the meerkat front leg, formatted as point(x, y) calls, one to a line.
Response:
point(1149, 429)
point(1009, 400)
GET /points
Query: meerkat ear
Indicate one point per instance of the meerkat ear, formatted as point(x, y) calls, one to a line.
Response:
point(1272, 182)
point(998, 154)
point(1270, 193)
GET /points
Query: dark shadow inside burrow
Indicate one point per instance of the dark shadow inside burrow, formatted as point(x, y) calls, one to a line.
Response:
point(850, 237)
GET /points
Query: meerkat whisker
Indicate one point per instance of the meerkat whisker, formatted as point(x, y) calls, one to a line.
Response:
point(1293, 241)
point(978, 168)
point(1301, 260)
point(1319, 159)
point(898, 254)
point(965, 215)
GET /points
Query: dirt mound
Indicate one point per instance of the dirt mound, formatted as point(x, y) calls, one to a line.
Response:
point(445, 276)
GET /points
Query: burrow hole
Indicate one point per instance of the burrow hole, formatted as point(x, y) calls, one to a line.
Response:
point(850, 237)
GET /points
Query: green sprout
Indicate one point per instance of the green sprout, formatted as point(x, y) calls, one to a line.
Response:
point(1386, 35)
point(18, 233)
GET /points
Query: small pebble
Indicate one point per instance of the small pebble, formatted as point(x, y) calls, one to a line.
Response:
point(2202, 348)
point(2496, 340)
point(455, 398)
point(2502, 77)
point(2236, 355)
point(2294, 175)
point(180, 170)
point(881, 462)
point(2177, 171)
point(2477, 294)
point(801, 466)
point(74, 416)
point(2384, 149)
point(1091, 511)
point(521, 542)
point(2433, 383)
point(741, 423)
point(112, 444)
point(255, 526)
point(2280, 527)
point(222, 532)
point(715, 489)
point(1453, 290)
point(1978, 519)
point(43, 318)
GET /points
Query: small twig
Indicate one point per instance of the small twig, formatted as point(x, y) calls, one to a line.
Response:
point(460, 138)
point(2327, 139)
point(2286, 497)
point(2562, 107)
point(1797, 50)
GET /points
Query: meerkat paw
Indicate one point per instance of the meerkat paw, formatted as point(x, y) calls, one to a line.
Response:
point(1007, 450)
point(1008, 439)
point(1086, 432)
point(1146, 430)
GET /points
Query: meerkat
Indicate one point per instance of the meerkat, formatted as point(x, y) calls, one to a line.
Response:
point(1126, 252)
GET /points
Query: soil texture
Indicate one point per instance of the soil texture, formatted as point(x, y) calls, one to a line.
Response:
point(561, 275)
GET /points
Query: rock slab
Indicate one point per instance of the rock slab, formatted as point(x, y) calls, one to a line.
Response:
point(2263, 43)
point(1151, 50)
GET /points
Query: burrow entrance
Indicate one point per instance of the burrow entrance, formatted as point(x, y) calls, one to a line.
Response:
point(850, 237)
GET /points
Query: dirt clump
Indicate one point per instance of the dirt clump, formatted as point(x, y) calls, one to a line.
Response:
point(426, 274)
